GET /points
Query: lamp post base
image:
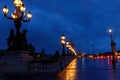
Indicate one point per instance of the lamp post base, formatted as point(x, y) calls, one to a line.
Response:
point(15, 63)
point(114, 61)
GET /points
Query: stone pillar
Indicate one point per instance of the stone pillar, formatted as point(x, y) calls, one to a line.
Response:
point(15, 63)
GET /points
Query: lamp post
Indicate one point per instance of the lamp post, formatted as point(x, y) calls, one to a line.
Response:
point(110, 32)
point(113, 44)
point(63, 44)
point(70, 48)
point(67, 46)
point(18, 16)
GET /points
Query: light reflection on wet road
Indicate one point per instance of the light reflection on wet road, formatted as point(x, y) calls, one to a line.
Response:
point(81, 69)
point(88, 69)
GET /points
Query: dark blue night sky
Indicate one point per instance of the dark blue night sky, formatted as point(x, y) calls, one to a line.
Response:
point(83, 21)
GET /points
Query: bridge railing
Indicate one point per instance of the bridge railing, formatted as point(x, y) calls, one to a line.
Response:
point(48, 66)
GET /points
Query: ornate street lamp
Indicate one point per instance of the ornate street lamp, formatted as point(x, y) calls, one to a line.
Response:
point(18, 16)
point(110, 32)
point(113, 44)
point(63, 44)
point(67, 46)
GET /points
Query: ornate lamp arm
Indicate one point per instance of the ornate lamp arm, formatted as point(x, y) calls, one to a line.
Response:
point(8, 17)
point(29, 15)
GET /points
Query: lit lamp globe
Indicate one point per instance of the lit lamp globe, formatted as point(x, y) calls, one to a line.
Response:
point(13, 16)
point(62, 42)
point(67, 44)
point(70, 47)
point(18, 3)
point(22, 8)
point(29, 15)
point(110, 30)
point(5, 10)
point(63, 37)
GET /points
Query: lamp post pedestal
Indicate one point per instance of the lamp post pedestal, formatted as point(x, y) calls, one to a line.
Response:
point(15, 63)
point(113, 44)
point(63, 51)
point(18, 41)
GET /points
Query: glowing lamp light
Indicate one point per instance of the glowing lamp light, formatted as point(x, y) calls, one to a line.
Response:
point(29, 15)
point(13, 16)
point(63, 42)
point(110, 30)
point(108, 56)
point(101, 57)
point(38, 56)
point(22, 8)
point(18, 3)
point(63, 37)
point(18, 16)
point(5, 10)
point(67, 44)
point(70, 48)
point(91, 56)
point(116, 54)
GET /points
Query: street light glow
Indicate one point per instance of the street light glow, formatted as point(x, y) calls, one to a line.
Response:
point(63, 37)
point(19, 12)
point(29, 15)
point(18, 3)
point(110, 30)
point(67, 44)
point(63, 42)
point(22, 8)
point(5, 10)
point(13, 16)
